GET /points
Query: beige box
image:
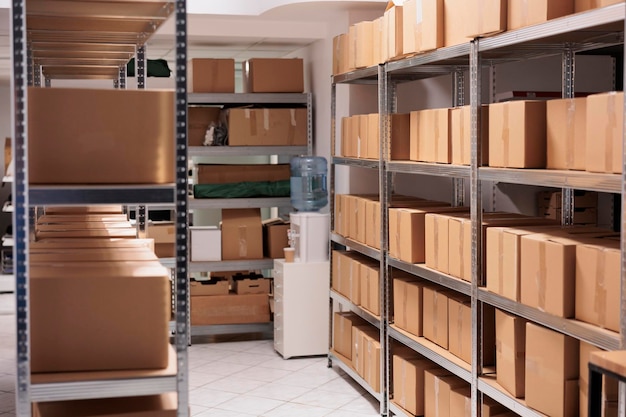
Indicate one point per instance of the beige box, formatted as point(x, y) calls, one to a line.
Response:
point(435, 315)
point(407, 305)
point(609, 385)
point(342, 332)
point(523, 13)
point(434, 136)
point(400, 137)
point(211, 75)
point(566, 122)
point(583, 5)
point(394, 32)
point(485, 17)
point(605, 120)
point(267, 127)
point(438, 384)
point(511, 353)
point(460, 139)
point(364, 39)
point(455, 31)
point(517, 134)
point(551, 372)
point(273, 75)
point(409, 384)
point(242, 234)
point(422, 25)
point(85, 140)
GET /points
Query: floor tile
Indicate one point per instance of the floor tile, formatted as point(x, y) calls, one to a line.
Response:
point(297, 410)
point(251, 405)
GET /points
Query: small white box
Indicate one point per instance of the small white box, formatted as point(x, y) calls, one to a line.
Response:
point(206, 243)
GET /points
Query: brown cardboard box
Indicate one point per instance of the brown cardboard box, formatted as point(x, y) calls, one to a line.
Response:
point(164, 235)
point(85, 139)
point(394, 32)
point(605, 125)
point(408, 382)
point(273, 75)
point(517, 134)
point(598, 270)
point(510, 353)
point(251, 286)
point(485, 17)
point(230, 173)
point(213, 286)
point(242, 234)
point(364, 38)
point(454, 25)
point(422, 25)
point(582, 5)
point(524, 13)
point(342, 332)
point(566, 122)
point(373, 136)
point(164, 405)
point(407, 305)
point(275, 238)
point(460, 140)
point(434, 136)
point(229, 309)
point(438, 384)
point(400, 137)
point(211, 75)
point(199, 120)
point(435, 315)
point(551, 372)
point(75, 298)
point(461, 402)
point(370, 287)
point(265, 127)
point(609, 385)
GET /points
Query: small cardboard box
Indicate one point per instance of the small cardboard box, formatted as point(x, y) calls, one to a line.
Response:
point(211, 75)
point(342, 332)
point(199, 120)
point(583, 5)
point(517, 134)
point(610, 392)
point(511, 353)
point(230, 309)
point(460, 139)
point(523, 13)
point(438, 383)
point(363, 44)
point(273, 75)
point(551, 371)
point(394, 32)
point(434, 136)
point(275, 238)
point(461, 402)
point(566, 122)
point(212, 286)
point(267, 127)
point(407, 305)
point(455, 20)
point(251, 286)
point(206, 243)
point(422, 26)
point(435, 315)
point(605, 118)
point(598, 269)
point(408, 382)
point(400, 137)
point(485, 17)
point(163, 405)
point(242, 234)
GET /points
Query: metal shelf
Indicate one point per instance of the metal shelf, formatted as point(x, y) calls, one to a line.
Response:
point(352, 373)
point(49, 195)
point(356, 162)
point(433, 352)
point(245, 264)
point(431, 275)
point(222, 329)
point(247, 98)
point(604, 339)
point(208, 151)
point(225, 203)
point(488, 386)
point(608, 183)
point(354, 245)
point(360, 76)
point(366, 315)
point(441, 170)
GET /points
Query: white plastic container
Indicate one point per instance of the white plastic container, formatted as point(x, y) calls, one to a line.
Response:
point(310, 233)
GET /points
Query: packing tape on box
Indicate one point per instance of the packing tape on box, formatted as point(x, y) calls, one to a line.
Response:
point(608, 138)
point(506, 132)
point(500, 255)
point(599, 300)
point(243, 241)
point(541, 277)
point(570, 133)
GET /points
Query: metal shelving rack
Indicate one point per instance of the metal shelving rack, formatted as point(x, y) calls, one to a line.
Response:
point(560, 37)
point(49, 38)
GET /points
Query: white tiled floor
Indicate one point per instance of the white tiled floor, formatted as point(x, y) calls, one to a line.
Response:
point(234, 377)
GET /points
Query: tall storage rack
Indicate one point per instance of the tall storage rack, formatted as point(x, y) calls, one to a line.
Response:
point(49, 37)
point(238, 100)
point(564, 36)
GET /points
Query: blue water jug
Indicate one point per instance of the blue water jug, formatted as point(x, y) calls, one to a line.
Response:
point(308, 183)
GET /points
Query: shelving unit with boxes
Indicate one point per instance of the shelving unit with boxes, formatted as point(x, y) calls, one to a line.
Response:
point(460, 292)
point(95, 41)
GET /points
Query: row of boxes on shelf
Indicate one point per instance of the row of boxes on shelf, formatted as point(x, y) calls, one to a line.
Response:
point(419, 26)
point(575, 134)
point(81, 260)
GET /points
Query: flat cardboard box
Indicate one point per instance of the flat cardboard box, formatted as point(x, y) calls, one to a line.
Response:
point(460, 139)
point(370, 287)
point(454, 24)
point(583, 5)
point(434, 136)
point(229, 309)
point(422, 26)
point(485, 17)
point(342, 332)
point(605, 125)
point(251, 286)
point(85, 140)
point(566, 123)
point(242, 234)
point(407, 305)
point(199, 120)
point(164, 405)
point(267, 127)
point(435, 315)
point(394, 32)
point(438, 384)
point(275, 238)
point(461, 402)
point(213, 286)
point(408, 382)
point(76, 299)
point(598, 270)
point(551, 371)
point(373, 136)
point(273, 75)
point(511, 353)
point(517, 134)
point(609, 385)
point(363, 44)
point(400, 137)
point(205, 243)
point(523, 13)
point(211, 75)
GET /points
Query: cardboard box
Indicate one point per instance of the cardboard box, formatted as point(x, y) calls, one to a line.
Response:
point(370, 287)
point(583, 5)
point(164, 405)
point(199, 119)
point(460, 139)
point(511, 353)
point(407, 305)
point(408, 382)
point(422, 26)
point(609, 385)
point(517, 134)
point(438, 383)
point(566, 122)
point(85, 139)
point(251, 286)
point(551, 372)
point(454, 22)
point(523, 13)
point(394, 32)
point(74, 298)
point(164, 235)
point(273, 75)
point(598, 270)
point(373, 136)
point(342, 332)
point(206, 243)
point(242, 234)
point(435, 315)
point(212, 286)
point(364, 39)
point(400, 137)
point(485, 17)
point(229, 309)
point(605, 124)
point(266, 127)
point(461, 402)
point(211, 75)
point(275, 238)
point(434, 136)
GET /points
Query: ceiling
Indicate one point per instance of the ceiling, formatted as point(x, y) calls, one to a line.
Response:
point(238, 29)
